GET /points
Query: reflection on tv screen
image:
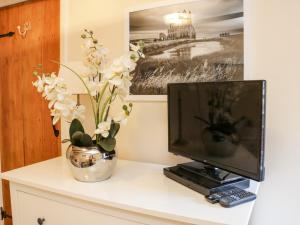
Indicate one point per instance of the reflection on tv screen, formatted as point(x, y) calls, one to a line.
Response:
point(219, 122)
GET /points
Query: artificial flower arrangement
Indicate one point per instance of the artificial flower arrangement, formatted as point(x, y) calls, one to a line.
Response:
point(103, 82)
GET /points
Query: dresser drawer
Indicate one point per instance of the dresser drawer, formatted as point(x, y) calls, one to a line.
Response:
point(32, 207)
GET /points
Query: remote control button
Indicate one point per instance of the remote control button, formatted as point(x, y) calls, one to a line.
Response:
point(231, 197)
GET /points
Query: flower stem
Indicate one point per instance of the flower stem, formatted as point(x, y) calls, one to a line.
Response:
point(111, 99)
point(100, 99)
point(105, 105)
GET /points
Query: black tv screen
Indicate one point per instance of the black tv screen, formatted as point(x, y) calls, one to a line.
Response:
point(220, 124)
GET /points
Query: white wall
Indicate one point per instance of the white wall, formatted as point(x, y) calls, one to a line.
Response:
point(272, 53)
point(276, 58)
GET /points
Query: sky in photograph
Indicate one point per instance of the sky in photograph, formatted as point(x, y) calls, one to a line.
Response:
point(209, 17)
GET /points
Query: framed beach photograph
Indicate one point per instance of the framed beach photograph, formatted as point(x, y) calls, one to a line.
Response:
point(185, 41)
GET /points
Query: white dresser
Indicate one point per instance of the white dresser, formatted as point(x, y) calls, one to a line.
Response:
point(138, 193)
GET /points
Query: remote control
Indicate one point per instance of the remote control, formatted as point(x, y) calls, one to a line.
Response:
point(237, 198)
point(215, 198)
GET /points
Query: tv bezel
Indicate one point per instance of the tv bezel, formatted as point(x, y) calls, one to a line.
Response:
point(259, 176)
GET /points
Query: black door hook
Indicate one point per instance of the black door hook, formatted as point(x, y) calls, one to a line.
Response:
point(9, 34)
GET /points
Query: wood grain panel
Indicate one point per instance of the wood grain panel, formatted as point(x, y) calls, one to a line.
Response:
point(11, 92)
point(6, 201)
point(26, 131)
point(43, 40)
point(50, 52)
point(12, 153)
point(31, 51)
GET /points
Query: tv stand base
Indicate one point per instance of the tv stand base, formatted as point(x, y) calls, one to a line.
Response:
point(202, 184)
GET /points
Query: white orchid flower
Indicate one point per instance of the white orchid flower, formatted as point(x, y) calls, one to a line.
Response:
point(108, 74)
point(111, 80)
point(49, 94)
point(88, 44)
point(128, 63)
point(117, 81)
point(117, 66)
point(52, 80)
point(103, 128)
point(123, 93)
point(39, 84)
point(56, 116)
point(122, 118)
point(97, 57)
point(123, 83)
point(94, 86)
point(60, 103)
point(94, 55)
point(51, 104)
point(63, 108)
point(123, 64)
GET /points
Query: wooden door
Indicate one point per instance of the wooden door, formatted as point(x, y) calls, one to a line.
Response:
point(26, 132)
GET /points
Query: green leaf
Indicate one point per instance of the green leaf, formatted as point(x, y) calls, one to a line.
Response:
point(114, 129)
point(75, 126)
point(76, 138)
point(108, 144)
point(86, 140)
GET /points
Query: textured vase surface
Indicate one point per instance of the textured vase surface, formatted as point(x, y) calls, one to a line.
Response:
point(91, 164)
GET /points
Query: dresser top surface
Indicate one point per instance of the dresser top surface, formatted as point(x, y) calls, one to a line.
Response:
point(134, 186)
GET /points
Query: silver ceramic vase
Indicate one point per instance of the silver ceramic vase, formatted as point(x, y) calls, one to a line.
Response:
point(91, 164)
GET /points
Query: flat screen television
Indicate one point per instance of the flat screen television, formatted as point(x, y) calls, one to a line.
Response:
point(221, 124)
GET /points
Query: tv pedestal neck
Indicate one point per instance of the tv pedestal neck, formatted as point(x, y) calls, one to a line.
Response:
point(205, 179)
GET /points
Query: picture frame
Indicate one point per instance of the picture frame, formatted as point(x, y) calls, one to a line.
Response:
point(149, 6)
